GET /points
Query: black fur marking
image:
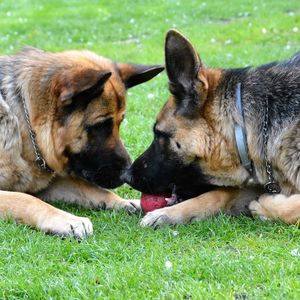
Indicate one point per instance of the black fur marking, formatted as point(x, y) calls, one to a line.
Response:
point(163, 134)
point(278, 82)
point(142, 73)
point(97, 163)
point(101, 130)
point(158, 169)
point(81, 100)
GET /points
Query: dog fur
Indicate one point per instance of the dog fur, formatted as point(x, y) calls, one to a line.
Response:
point(76, 103)
point(195, 131)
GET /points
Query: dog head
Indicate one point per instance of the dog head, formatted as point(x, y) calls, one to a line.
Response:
point(82, 111)
point(191, 149)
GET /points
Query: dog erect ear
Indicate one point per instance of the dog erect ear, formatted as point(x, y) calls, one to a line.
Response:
point(133, 74)
point(182, 65)
point(80, 85)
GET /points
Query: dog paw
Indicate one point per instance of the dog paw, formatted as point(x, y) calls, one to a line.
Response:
point(68, 225)
point(257, 209)
point(132, 206)
point(159, 217)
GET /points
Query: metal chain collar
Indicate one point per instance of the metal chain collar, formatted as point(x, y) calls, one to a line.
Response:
point(272, 186)
point(38, 156)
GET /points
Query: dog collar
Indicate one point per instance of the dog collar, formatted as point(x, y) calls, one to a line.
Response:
point(240, 133)
point(38, 156)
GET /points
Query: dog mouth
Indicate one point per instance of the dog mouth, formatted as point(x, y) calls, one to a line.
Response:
point(108, 180)
point(174, 198)
point(148, 186)
point(184, 183)
point(170, 198)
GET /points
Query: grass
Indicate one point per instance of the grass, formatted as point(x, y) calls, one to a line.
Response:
point(219, 258)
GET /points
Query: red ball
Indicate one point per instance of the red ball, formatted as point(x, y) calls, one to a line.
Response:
point(152, 202)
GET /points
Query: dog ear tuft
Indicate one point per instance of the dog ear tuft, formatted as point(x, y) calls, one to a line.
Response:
point(134, 74)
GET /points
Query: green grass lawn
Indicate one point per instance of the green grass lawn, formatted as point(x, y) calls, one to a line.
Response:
point(220, 258)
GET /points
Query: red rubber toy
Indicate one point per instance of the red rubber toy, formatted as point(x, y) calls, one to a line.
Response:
point(152, 202)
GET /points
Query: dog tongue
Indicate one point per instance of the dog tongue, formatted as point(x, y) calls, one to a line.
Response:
point(152, 202)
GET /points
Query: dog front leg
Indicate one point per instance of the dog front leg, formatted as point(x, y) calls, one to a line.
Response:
point(200, 207)
point(32, 211)
point(78, 191)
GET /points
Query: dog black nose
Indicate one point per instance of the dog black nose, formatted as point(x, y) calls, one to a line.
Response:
point(126, 176)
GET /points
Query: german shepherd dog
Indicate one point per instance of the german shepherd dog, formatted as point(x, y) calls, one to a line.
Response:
point(59, 135)
point(195, 149)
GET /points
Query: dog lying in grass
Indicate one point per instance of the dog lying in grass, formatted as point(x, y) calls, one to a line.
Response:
point(224, 138)
point(59, 135)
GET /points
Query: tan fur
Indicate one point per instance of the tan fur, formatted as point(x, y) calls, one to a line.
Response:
point(198, 208)
point(47, 82)
point(32, 211)
point(207, 136)
point(203, 137)
point(277, 207)
point(80, 192)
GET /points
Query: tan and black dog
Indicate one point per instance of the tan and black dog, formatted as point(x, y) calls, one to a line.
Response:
point(59, 135)
point(238, 128)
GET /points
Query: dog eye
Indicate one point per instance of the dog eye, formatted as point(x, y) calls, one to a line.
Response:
point(100, 130)
point(101, 125)
point(107, 123)
point(162, 134)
